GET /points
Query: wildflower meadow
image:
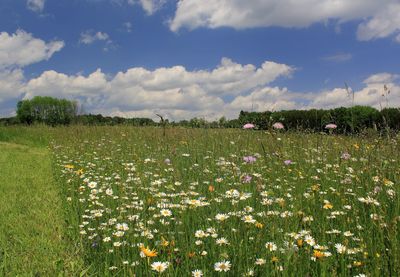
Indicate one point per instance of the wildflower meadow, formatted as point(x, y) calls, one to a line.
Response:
point(203, 202)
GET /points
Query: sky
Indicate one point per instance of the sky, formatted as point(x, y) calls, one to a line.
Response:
point(197, 58)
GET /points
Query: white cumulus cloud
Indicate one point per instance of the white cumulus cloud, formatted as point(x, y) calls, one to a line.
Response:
point(22, 49)
point(381, 78)
point(380, 18)
point(11, 84)
point(173, 91)
point(17, 51)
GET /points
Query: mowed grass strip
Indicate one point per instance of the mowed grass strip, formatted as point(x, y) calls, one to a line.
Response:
point(31, 226)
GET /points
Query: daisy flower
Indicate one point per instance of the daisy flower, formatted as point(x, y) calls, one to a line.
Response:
point(159, 266)
point(197, 273)
point(271, 246)
point(222, 266)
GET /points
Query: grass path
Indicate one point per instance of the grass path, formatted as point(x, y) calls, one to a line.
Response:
point(31, 216)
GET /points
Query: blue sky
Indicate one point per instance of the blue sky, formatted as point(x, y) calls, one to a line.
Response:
point(191, 58)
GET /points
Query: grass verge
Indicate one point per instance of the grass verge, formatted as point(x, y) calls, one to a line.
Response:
point(31, 229)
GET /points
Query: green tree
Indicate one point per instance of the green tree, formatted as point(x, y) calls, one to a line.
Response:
point(48, 110)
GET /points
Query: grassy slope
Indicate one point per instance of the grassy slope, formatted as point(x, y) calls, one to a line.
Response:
point(31, 229)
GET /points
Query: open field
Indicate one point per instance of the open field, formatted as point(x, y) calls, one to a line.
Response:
point(216, 202)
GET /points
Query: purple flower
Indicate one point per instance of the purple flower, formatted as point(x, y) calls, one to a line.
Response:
point(246, 179)
point(331, 126)
point(278, 126)
point(249, 159)
point(345, 156)
point(287, 162)
point(248, 126)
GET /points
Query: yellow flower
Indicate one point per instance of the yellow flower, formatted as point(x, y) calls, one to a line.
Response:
point(356, 146)
point(274, 259)
point(318, 254)
point(387, 182)
point(315, 187)
point(328, 206)
point(299, 242)
point(191, 254)
point(148, 252)
point(164, 242)
point(259, 225)
point(356, 263)
point(79, 171)
point(69, 166)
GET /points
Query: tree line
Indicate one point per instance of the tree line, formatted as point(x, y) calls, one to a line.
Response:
point(348, 120)
point(53, 111)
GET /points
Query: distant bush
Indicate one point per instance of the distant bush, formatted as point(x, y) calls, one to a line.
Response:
point(98, 119)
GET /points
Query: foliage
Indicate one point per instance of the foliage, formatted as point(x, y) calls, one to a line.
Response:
point(98, 119)
point(349, 120)
point(45, 109)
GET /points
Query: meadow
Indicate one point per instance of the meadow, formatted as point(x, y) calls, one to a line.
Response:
point(229, 202)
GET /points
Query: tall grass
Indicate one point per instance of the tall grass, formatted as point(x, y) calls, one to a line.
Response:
point(297, 205)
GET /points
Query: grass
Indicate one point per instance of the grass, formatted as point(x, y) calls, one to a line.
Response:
point(321, 214)
point(248, 202)
point(32, 241)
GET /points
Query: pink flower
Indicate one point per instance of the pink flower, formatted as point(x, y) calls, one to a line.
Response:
point(248, 126)
point(287, 162)
point(278, 125)
point(246, 179)
point(331, 126)
point(345, 156)
point(249, 159)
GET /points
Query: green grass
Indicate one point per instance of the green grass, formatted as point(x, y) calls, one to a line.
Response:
point(34, 136)
point(32, 239)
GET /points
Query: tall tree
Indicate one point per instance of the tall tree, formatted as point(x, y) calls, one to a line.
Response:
point(48, 110)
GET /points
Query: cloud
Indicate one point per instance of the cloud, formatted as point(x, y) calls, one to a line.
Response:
point(90, 36)
point(151, 6)
point(17, 51)
point(127, 26)
point(35, 5)
point(380, 18)
point(370, 95)
point(382, 24)
point(22, 49)
point(338, 58)
point(11, 84)
point(381, 78)
point(174, 91)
